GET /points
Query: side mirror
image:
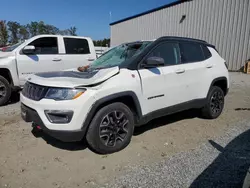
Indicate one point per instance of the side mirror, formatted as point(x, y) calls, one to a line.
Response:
point(152, 62)
point(29, 49)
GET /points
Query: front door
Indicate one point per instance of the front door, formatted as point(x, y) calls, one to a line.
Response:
point(152, 81)
point(46, 58)
point(160, 85)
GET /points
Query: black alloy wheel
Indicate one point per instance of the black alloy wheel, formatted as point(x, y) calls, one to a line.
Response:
point(217, 102)
point(113, 128)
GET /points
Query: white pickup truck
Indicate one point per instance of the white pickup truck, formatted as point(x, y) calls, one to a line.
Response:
point(42, 53)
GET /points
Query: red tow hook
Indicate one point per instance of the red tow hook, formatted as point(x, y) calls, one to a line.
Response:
point(38, 127)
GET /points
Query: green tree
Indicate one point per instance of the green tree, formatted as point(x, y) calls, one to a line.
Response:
point(14, 30)
point(42, 28)
point(64, 32)
point(23, 32)
point(72, 31)
point(52, 29)
point(33, 29)
point(104, 43)
point(3, 33)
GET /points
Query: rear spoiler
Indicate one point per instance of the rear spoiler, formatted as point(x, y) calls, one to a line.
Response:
point(212, 46)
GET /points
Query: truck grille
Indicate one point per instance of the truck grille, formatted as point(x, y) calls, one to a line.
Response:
point(33, 91)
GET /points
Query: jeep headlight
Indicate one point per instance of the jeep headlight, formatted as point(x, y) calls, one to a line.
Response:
point(63, 93)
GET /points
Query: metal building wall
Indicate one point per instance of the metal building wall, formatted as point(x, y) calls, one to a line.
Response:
point(224, 23)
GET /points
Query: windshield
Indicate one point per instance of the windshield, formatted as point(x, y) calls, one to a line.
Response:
point(11, 48)
point(119, 54)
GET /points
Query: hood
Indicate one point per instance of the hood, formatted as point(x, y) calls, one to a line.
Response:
point(5, 54)
point(73, 78)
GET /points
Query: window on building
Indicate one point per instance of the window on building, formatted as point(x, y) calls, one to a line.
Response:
point(191, 52)
point(76, 46)
point(45, 45)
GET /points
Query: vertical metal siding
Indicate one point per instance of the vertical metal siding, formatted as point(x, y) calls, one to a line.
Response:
point(224, 23)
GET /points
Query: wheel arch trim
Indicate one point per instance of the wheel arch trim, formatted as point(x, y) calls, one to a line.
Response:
point(106, 99)
point(223, 78)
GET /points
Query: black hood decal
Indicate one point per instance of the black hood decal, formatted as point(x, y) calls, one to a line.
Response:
point(72, 74)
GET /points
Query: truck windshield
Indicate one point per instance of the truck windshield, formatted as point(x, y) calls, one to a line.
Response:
point(11, 48)
point(119, 54)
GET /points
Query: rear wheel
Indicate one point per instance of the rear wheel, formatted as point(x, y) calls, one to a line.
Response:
point(5, 91)
point(215, 103)
point(111, 129)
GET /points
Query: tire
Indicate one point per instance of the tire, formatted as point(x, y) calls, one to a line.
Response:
point(215, 103)
point(104, 136)
point(5, 91)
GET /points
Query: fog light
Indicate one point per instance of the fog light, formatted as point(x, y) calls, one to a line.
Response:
point(59, 116)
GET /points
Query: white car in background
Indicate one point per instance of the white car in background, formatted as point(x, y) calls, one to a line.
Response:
point(42, 53)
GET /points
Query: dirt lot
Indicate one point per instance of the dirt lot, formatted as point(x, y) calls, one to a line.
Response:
point(31, 159)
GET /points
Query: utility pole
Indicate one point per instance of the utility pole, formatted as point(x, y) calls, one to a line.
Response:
point(110, 17)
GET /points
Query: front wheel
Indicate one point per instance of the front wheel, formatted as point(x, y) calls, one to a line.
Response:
point(111, 129)
point(5, 91)
point(215, 103)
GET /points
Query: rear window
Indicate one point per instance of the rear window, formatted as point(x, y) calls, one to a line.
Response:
point(207, 54)
point(191, 52)
point(76, 46)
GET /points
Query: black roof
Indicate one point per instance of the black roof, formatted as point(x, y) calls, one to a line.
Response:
point(174, 38)
point(150, 11)
point(183, 39)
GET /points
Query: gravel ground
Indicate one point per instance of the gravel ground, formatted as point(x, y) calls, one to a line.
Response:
point(180, 150)
point(221, 162)
point(218, 163)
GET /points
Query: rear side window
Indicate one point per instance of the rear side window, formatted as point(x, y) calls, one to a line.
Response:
point(76, 46)
point(45, 45)
point(191, 52)
point(207, 54)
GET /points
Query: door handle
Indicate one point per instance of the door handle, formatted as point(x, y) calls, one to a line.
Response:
point(56, 59)
point(180, 71)
point(209, 66)
point(90, 59)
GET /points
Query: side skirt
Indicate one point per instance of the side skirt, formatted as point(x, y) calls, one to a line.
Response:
point(197, 103)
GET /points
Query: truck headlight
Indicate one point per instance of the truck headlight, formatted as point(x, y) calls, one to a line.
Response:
point(63, 93)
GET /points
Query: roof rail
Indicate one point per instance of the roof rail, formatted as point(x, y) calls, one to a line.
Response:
point(183, 38)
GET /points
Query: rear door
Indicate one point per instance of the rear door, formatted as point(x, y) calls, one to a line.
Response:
point(46, 58)
point(196, 70)
point(78, 52)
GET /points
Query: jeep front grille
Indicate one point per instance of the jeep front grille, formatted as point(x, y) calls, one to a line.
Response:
point(33, 91)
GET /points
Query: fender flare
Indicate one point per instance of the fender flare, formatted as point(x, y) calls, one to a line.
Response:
point(108, 98)
point(216, 80)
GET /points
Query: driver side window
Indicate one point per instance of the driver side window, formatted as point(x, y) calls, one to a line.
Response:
point(45, 45)
point(168, 51)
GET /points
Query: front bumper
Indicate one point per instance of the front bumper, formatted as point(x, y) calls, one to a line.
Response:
point(80, 108)
point(30, 115)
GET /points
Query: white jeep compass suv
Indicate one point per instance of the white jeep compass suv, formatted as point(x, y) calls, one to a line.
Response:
point(127, 86)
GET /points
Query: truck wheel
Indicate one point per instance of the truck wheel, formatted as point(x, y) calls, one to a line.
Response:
point(5, 91)
point(111, 129)
point(215, 103)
